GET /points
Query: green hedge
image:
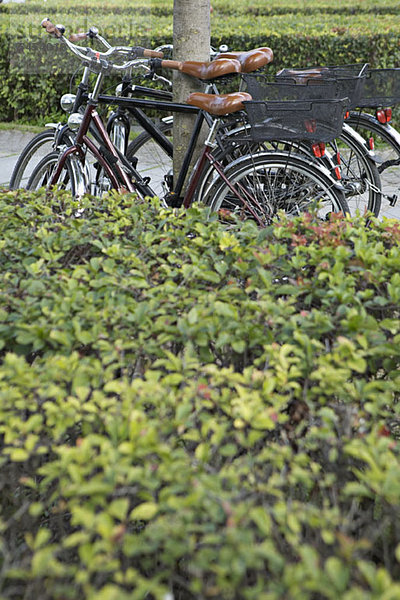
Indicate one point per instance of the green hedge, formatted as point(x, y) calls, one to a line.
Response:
point(37, 71)
point(191, 412)
point(229, 7)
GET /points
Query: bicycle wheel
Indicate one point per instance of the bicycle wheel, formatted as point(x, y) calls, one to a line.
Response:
point(37, 148)
point(153, 161)
point(386, 141)
point(360, 176)
point(267, 183)
point(71, 177)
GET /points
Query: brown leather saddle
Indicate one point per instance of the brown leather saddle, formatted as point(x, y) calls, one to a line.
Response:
point(204, 70)
point(302, 76)
point(226, 64)
point(252, 59)
point(219, 104)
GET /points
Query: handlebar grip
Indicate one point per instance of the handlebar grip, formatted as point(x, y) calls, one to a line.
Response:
point(152, 53)
point(51, 29)
point(77, 37)
point(171, 64)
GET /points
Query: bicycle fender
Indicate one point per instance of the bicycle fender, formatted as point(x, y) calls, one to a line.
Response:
point(352, 132)
point(391, 131)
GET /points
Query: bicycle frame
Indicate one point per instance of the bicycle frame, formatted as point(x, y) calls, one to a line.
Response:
point(135, 107)
point(90, 118)
point(205, 156)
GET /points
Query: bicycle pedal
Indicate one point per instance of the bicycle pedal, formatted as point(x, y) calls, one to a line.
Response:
point(392, 200)
point(133, 161)
point(173, 201)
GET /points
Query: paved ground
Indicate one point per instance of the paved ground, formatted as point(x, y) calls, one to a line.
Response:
point(12, 142)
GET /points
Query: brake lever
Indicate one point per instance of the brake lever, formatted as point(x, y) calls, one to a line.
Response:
point(161, 78)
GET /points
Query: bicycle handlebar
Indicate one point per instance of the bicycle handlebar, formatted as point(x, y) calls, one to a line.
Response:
point(100, 59)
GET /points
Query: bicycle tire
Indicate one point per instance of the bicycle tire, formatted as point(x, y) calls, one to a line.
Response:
point(360, 175)
point(33, 150)
point(153, 161)
point(71, 177)
point(277, 182)
point(386, 149)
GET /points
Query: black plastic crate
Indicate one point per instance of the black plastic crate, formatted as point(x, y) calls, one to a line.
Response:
point(314, 120)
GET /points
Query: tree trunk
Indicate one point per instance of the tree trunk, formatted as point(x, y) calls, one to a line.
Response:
point(191, 41)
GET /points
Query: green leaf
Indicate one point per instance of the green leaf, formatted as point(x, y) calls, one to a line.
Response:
point(239, 346)
point(337, 572)
point(262, 519)
point(42, 537)
point(36, 509)
point(119, 508)
point(19, 455)
point(144, 512)
point(41, 561)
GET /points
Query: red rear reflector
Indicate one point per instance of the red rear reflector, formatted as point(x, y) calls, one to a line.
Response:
point(371, 143)
point(380, 115)
point(319, 150)
point(338, 158)
point(388, 113)
point(337, 172)
point(347, 114)
point(311, 125)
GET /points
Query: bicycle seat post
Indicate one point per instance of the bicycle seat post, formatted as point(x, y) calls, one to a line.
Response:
point(210, 140)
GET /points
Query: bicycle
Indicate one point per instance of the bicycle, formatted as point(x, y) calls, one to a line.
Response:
point(359, 174)
point(380, 93)
point(118, 125)
point(56, 136)
point(249, 60)
point(260, 185)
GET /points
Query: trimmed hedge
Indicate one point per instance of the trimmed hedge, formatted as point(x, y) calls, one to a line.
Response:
point(38, 70)
point(229, 7)
point(191, 412)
